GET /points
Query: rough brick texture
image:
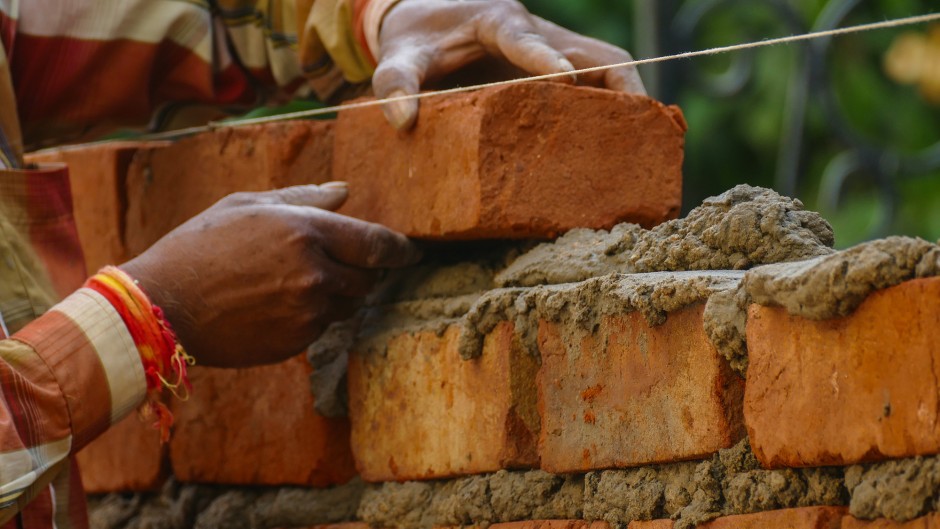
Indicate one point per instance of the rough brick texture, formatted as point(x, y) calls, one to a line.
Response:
point(128, 457)
point(420, 412)
point(552, 524)
point(527, 160)
point(801, 518)
point(97, 175)
point(258, 426)
point(629, 394)
point(841, 391)
point(166, 186)
point(654, 524)
point(931, 521)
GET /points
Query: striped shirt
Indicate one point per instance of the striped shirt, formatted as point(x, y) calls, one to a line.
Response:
point(73, 69)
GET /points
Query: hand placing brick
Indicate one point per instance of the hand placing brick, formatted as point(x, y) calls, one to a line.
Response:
point(530, 160)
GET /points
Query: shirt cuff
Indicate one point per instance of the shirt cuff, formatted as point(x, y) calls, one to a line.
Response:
point(90, 352)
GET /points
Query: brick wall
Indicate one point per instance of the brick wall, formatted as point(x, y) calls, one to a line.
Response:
point(726, 369)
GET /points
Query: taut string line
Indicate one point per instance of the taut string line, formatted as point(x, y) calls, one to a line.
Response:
point(906, 21)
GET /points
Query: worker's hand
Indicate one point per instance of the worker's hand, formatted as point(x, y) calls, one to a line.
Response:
point(422, 40)
point(257, 277)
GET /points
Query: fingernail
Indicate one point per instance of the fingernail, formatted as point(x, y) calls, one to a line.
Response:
point(401, 114)
point(565, 65)
point(335, 185)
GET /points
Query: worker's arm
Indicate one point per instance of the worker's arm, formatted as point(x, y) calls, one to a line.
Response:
point(65, 378)
point(252, 280)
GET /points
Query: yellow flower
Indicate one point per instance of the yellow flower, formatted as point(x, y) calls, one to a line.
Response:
point(914, 59)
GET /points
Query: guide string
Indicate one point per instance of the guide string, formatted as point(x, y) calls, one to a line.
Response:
point(215, 125)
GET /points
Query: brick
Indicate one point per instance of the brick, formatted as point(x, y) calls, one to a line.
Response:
point(654, 524)
point(97, 175)
point(801, 518)
point(257, 426)
point(846, 390)
point(529, 160)
point(421, 412)
point(127, 457)
point(628, 394)
point(166, 186)
point(343, 525)
point(931, 521)
point(552, 524)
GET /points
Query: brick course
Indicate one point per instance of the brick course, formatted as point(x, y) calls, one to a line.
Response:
point(931, 521)
point(97, 175)
point(529, 160)
point(168, 185)
point(127, 457)
point(257, 426)
point(841, 391)
point(629, 394)
point(421, 412)
point(800, 518)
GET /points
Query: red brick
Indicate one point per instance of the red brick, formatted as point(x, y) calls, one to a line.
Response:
point(421, 412)
point(846, 390)
point(167, 186)
point(528, 160)
point(257, 426)
point(654, 524)
point(128, 457)
point(552, 524)
point(344, 525)
point(801, 518)
point(629, 394)
point(931, 521)
point(97, 174)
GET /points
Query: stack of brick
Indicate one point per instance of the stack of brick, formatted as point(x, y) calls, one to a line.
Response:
point(727, 369)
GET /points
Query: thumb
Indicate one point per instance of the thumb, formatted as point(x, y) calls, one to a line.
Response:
point(329, 196)
point(400, 73)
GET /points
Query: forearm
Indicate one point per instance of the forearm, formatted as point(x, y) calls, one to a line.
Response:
point(66, 378)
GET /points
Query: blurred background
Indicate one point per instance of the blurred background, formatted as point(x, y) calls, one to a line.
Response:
point(851, 126)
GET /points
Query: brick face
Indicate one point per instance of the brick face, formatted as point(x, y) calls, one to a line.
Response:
point(629, 394)
point(257, 426)
point(168, 185)
point(421, 412)
point(801, 518)
point(931, 521)
point(841, 391)
point(654, 524)
point(552, 524)
point(97, 175)
point(528, 160)
point(128, 457)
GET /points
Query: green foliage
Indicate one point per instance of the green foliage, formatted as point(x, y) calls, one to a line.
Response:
point(737, 138)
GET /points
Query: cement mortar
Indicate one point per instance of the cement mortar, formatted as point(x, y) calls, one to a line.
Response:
point(475, 500)
point(741, 228)
point(582, 305)
point(201, 506)
point(898, 490)
point(820, 288)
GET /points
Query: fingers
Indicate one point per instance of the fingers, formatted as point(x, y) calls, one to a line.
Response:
point(625, 79)
point(516, 38)
point(362, 244)
point(334, 278)
point(329, 196)
point(400, 73)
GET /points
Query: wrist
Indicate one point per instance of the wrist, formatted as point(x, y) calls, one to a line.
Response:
point(164, 360)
